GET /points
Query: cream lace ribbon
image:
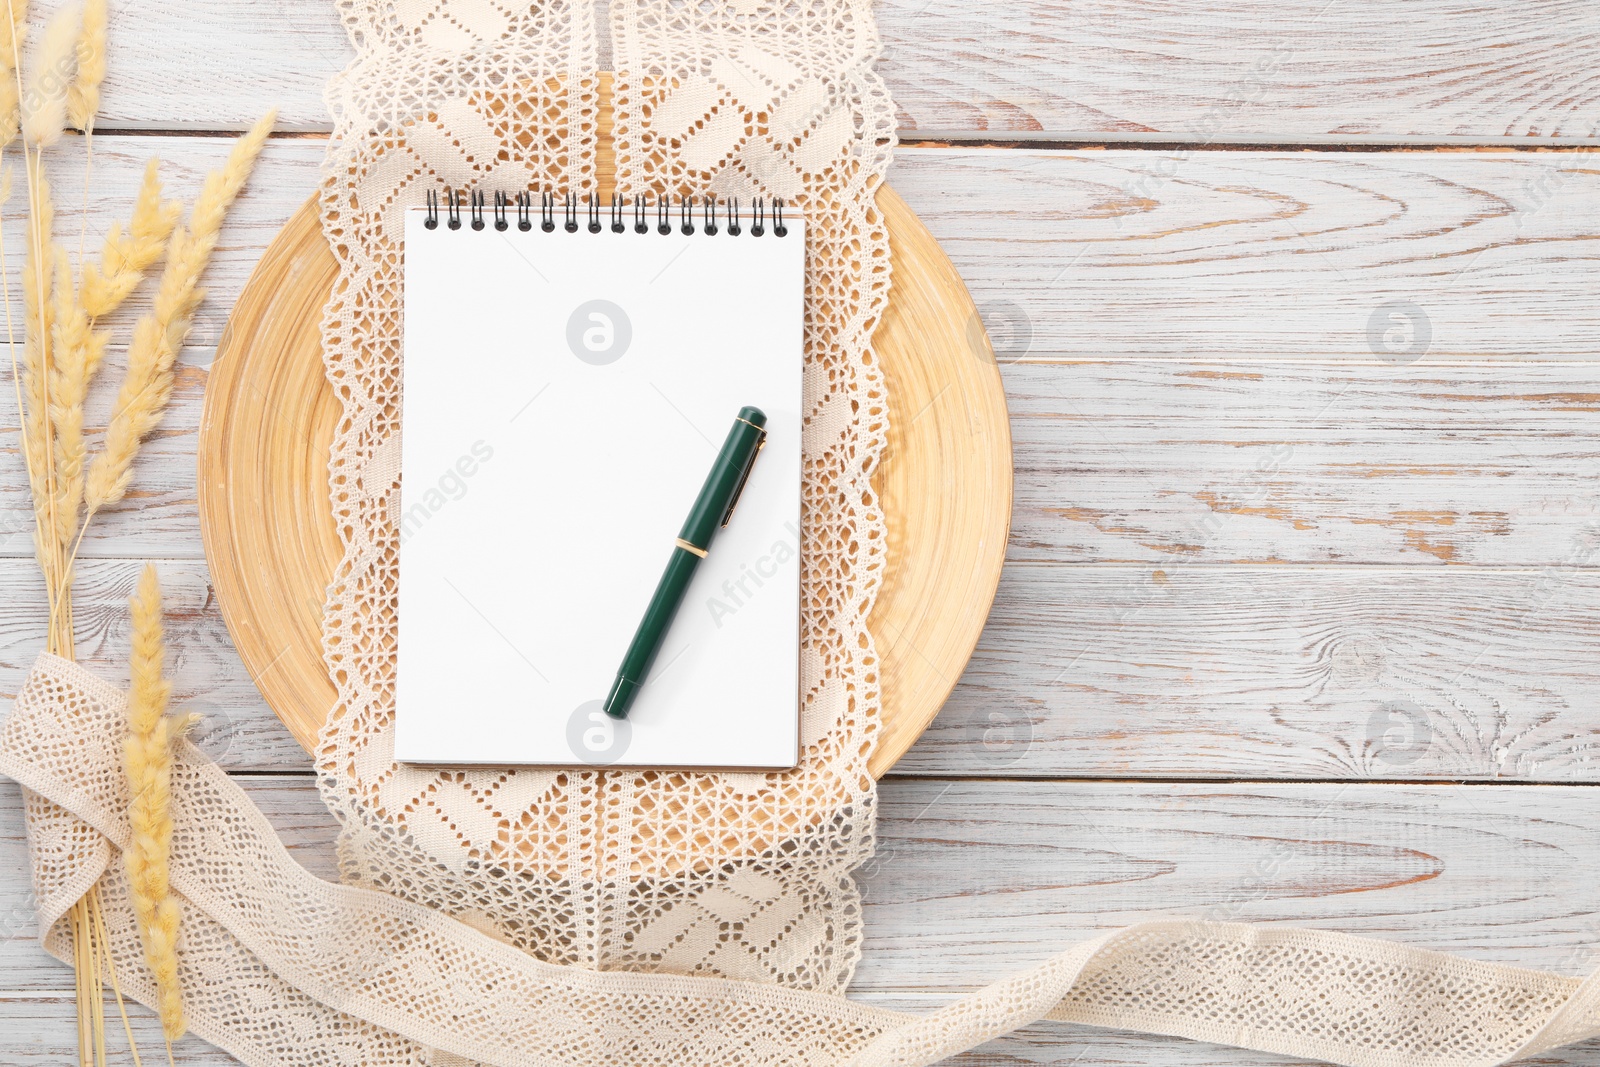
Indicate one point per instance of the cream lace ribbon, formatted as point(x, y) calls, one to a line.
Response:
point(279, 967)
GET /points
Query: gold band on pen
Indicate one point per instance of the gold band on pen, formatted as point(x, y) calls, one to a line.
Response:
point(747, 422)
point(687, 547)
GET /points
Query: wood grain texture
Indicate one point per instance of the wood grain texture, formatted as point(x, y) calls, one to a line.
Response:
point(1129, 254)
point(1269, 255)
point(1333, 672)
point(1162, 462)
point(1254, 462)
point(285, 174)
point(1243, 70)
point(265, 437)
point(974, 880)
point(1281, 672)
point(1114, 70)
point(1252, 299)
point(943, 483)
point(237, 729)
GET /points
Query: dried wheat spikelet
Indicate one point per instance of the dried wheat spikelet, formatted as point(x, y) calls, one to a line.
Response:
point(127, 254)
point(12, 30)
point(77, 351)
point(10, 113)
point(36, 370)
point(222, 187)
point(69, 384)
point(148, 758)
point(159, 336)
point(44, 109)
point(83, 96)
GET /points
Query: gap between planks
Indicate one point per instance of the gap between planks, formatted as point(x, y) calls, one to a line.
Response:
point(1041, 143)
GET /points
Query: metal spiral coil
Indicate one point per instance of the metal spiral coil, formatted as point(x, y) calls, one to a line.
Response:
point(764, 215)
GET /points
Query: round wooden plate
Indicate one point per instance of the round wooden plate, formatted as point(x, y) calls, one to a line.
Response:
point(944, 480)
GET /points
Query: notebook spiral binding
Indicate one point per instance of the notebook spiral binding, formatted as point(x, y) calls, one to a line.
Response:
point(475, 209)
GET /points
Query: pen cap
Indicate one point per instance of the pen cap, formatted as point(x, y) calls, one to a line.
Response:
point(723, 485)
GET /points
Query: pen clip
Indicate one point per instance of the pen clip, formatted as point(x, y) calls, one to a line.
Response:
point(743, 478)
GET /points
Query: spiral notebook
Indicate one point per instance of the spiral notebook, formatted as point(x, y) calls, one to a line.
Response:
point(570, 370)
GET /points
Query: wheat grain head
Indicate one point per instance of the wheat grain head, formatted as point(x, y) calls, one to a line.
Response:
point(76, 356)
point(44, 109)
point(148, 762)
point(12, 31)
point(158, 337)
point(128, 253)
point(83, 95)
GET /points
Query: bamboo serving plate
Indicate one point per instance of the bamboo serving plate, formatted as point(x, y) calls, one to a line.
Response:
point(944, 480)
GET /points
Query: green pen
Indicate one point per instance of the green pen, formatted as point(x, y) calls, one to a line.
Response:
point(711, 512)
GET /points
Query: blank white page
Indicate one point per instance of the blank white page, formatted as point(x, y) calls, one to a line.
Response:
point(565, 395)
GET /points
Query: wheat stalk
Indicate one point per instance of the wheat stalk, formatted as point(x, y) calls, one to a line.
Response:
point(39, 453)
point(127, 254)
point(102, 287)
point(97, 923)
point(37, 371)
point(43, 111)
point(159, 336)
point(148, 759)
point(61, 351)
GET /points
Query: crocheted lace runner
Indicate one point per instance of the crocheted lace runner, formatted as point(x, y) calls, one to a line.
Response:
point(589, 918)
point(741, 875)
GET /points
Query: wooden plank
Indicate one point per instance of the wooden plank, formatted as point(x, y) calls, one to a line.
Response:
point(216, 64)
point(1146, 461)
point(1160, 462)
point(1233, 71)
point(1342, 672)
point(974, 880)
point(1240, 462)
point(1089, 254)
point(1282, 672)
point(1237, 70)
point(1047, 260)
point(42, 1033)
point(237, 728)
point(159, 517)
point(285, 175)
point(1386, 257)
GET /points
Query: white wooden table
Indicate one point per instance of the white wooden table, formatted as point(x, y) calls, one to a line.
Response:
point(1297, 301)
